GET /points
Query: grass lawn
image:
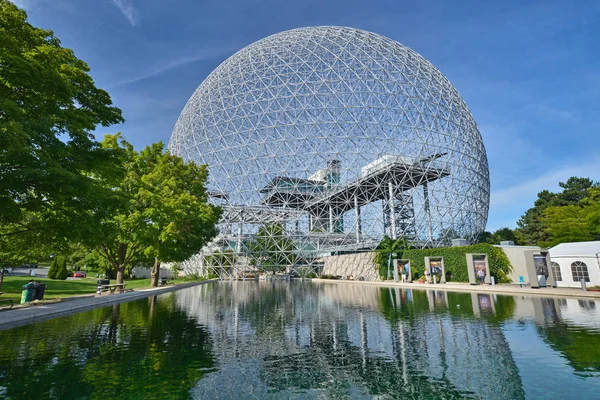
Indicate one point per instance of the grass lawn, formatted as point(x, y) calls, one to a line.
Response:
point(56, 289)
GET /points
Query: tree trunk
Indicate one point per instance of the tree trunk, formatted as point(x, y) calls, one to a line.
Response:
point(155, 272)
point(1, 276)
point(120, 273)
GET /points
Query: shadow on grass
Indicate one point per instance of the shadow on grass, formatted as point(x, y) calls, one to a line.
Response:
point(57, 289)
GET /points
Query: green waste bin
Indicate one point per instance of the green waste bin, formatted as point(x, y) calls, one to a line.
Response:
point(27, 294)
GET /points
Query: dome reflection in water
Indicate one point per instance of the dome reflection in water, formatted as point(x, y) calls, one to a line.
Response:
point(308, 340)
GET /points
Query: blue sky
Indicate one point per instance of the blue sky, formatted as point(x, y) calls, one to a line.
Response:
point(529, 70)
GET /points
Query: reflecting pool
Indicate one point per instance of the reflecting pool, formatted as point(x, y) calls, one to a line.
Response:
point(281, 340)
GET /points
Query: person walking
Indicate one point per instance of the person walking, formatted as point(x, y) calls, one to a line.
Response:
point(481, 276)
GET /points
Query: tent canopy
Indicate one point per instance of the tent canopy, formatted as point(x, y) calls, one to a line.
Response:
point(576, 249)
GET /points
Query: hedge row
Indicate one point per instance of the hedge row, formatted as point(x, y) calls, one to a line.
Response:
point(455, 261)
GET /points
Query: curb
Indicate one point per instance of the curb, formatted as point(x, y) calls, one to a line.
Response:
point(452, 287)
point(24, 316)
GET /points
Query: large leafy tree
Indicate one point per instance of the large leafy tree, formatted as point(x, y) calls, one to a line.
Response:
point(15, 250)
point(532, 228)
point(573, 223)
point(504, 234)
point(500, 235)
point(162, 213)
point(49, 160)
point(273, 250)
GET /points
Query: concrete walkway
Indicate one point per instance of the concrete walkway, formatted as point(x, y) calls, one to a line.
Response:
point(36, 313)
point(463, 287)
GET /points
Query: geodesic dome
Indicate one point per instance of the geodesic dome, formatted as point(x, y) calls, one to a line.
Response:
point(341, 137)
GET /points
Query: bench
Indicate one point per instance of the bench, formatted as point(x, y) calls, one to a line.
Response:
point(120, 287)
point(7, 301)
point(164, 282)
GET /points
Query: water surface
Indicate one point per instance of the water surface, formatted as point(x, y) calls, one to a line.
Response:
point(285, 340)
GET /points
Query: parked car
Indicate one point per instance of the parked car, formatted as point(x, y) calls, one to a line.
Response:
point(78, 274)
point(28, 266)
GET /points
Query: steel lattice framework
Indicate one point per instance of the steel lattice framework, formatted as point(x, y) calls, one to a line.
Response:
point(323, 140)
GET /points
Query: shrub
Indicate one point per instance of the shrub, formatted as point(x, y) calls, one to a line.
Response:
point(455, 261)
point(192, 278)
point(53, 268)
point(61, 272)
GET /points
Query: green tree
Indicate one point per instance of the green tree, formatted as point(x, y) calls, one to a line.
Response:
point(58, 268)
point(504, 234)
point(272, 250)
point(183, 221)
point(162, 211)
point(19, 249)
point(388, 250)
point(61, 272)
point(53, 268)
point(500, 235)
point(532, 229)
point(223, 260)
point(484, 237)
point(574, 190)
point(573, 223)
point(49, 160)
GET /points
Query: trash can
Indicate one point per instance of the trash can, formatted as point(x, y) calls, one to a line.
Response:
point(38, 291)
point(100, 283)
point(27, 293)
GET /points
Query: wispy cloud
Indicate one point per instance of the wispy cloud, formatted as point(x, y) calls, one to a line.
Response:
point(525, 192)
point(160, 69)
point(128, 10)
point(509, 203)
point(176, 63)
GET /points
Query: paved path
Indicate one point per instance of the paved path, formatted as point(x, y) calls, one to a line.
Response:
point(35, 313)
point(463, 287)
point(38, 272)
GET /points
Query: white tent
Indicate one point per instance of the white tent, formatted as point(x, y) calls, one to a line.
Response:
point(572, 262)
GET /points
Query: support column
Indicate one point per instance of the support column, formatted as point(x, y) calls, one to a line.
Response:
point(357, 225)
point(392, 211)
point(330, 218)
point(239, 238)
point(427, 212)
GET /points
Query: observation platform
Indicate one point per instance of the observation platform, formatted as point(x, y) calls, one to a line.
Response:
point(397, 174)
point(259, 214)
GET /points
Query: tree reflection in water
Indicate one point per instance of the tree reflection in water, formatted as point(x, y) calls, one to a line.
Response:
point(580, 344)
point(145, 349)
